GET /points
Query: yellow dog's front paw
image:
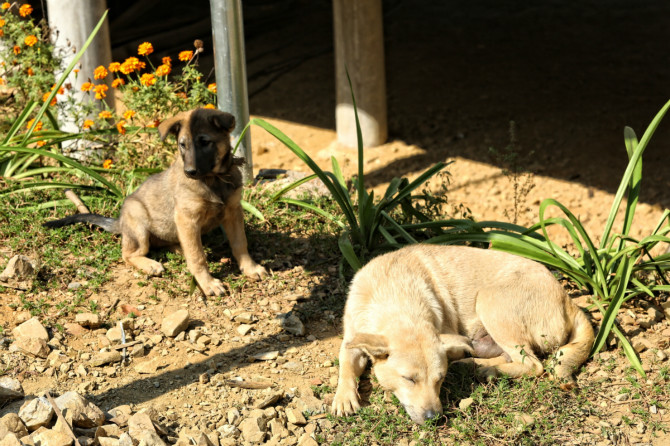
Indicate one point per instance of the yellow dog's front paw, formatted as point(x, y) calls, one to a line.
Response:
point(345, 403)
point(213, 287)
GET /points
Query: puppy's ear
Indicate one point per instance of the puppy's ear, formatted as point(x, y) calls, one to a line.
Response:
point(222, 121)
point(375, 346)
point(170, 126)
point(456, 346)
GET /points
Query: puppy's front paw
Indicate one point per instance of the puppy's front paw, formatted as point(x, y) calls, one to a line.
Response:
point(213, 287)
point(153, 268)
point(345, 402)
point(254, 271)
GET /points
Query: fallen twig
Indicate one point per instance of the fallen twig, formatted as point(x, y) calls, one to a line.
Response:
point(81, 207)
point(248, 384)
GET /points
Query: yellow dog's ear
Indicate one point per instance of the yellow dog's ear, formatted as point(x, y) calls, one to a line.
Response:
point(375, 346)
point(456, 346)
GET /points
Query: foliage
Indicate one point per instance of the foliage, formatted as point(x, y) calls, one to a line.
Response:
point(371, 226)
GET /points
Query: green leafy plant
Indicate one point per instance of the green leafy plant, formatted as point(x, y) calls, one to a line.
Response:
point(370, 226)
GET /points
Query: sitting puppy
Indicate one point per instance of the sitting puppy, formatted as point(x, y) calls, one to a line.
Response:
point(200, 190)
point(413, 310)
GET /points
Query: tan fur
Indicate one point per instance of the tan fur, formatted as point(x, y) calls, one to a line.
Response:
point(413, 310)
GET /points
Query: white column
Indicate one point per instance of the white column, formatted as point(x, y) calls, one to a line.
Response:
point(359, 49)
point(72, 22)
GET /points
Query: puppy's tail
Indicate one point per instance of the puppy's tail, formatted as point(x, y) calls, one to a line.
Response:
point(573, 354)
point(107, 223)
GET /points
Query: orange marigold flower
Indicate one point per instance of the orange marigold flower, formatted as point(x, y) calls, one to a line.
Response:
point(87, 86)
point(2, 33)
point(163, 70)
point(6, 5)
point(154, 124)
point(185, 56)
point(116, 83)
point(128, 114)
point(167, 60)
point(121, 127)
point(2, 81)
point(38, 126)
point(30, 71)
point(210, 106)
point(114, 67)
point(2, 23)
point(17, 50)
point(41, 143)
point(129, 65)
point(25, 10)
point(107, 164)
point(145, 49)
point(100, 72)
point(100, 91)
point(45, 97)
point(212, 87)
point(76, 70)
point(182, 95)
point(148, 79)
point(105, 114)
point(61, 90)
point(30, 40)
point(87, 124)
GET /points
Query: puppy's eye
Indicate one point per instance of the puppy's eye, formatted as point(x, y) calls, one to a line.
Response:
point(409, 379)
point(182, 146)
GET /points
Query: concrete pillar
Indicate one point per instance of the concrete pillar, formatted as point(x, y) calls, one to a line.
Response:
point(359, 48)
point(231, 72)
point(73, 21)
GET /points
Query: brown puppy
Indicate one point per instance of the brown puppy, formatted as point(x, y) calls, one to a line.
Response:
point(413, 310)
point(200, 190)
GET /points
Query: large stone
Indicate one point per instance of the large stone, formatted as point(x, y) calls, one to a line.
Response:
point(32, 346)
point(10, 389)
point(11, 423)
point(151, 366)
point(36, 413)
point(175, 323)
point(32, 328)
point(108, 441)
point(84, 413)
point(50, 437)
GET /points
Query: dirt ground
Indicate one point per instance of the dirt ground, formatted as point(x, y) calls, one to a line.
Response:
point(570, 75)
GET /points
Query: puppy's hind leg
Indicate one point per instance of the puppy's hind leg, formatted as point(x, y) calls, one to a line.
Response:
point(135, 240)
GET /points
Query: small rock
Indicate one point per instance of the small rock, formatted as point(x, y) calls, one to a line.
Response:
point(175, 323)
point(84, 413)
point(270, 400)
point(151, 366)
point(306, 440)
point(245, 318)
point(74, 329)
point(36, 413)
point(19, 272)
point(291, 323)
point(32, 346)
point(233, 416)
point(140, 423)
point(465, 403)
point(621, 397)
point(115, 335)
point(101, 359)
point(50, 437)
point(243, 329)
point(296, 417)
point(10, 389)
point(10, 440)
point(11, 423)
point(267, 356)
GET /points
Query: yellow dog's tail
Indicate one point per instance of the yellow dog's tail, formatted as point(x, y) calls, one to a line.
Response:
point(573, 354)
